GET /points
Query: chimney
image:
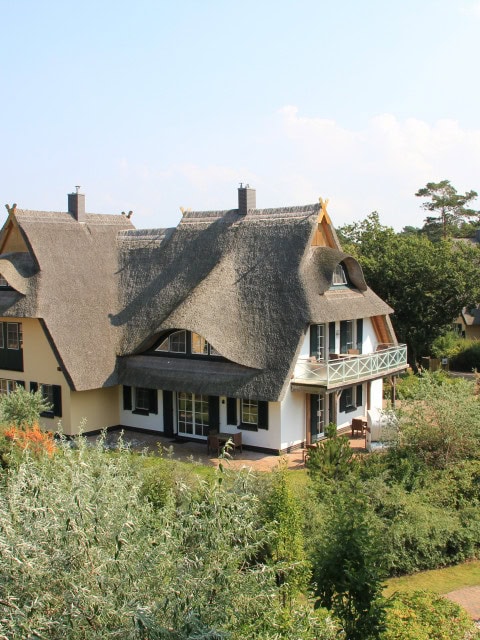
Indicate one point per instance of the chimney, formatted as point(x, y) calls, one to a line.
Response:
point(76, 205)
point(247, 199)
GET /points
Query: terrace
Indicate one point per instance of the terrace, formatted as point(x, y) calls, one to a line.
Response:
point(344, 368)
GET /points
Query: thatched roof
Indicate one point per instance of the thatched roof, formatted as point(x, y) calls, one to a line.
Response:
point(68, 279)
point(249, 284)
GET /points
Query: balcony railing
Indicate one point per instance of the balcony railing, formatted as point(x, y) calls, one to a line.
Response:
point(351, 368)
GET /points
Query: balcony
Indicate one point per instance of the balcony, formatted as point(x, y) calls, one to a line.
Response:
point(386, 360)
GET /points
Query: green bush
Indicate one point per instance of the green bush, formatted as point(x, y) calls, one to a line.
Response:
point(426, 616)
point(84, 554)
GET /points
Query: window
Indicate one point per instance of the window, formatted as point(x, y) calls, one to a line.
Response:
point(142, 399)
point(11, 343)
point(176, 342)
point(351, 335)
point(318, 341)
point(145, 401)
point(351, 398)
point(339, 276)
point(193, 414)
point(7, 386)
point(186, 342)
point(3, 282)
point(249, 411)
point(14, 335)
point(52, 393)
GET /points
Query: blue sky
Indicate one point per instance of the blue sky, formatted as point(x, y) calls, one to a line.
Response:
point(152, 105)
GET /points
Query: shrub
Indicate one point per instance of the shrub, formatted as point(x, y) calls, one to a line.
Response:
point(331, 459)
point(426, 616)
point(84, 555)
point(22, 408)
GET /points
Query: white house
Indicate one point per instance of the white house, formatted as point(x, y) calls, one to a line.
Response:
point(248, 319)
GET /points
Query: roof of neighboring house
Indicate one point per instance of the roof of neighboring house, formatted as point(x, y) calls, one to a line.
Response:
point(250, 284)
point(471, 316)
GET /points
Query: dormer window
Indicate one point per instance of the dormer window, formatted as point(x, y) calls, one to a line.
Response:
point(3, 282)
point(176, 342)
point(185, 343)
point(339, 276)
point(201, 347)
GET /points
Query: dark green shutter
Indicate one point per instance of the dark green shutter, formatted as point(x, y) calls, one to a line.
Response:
point(343, 336)
point(57, 400)
point(359, 398)
point(331, 337)
point(214, 413)
point(232, 411)
point(127, 398)
point(314, 340)
point(168, 413)
point(359, 334)
point(152, 401)
point(262, 414)
point(33, 386)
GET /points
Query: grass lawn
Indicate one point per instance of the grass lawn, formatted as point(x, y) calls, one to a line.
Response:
point(440, 580)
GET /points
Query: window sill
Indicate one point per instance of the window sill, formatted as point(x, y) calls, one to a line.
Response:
point(141, 412)
point(248, 427)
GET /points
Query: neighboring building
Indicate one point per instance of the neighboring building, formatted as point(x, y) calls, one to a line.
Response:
point(245, 319)
point(467, 325)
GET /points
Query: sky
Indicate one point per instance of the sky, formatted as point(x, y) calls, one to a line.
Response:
point(153, 105)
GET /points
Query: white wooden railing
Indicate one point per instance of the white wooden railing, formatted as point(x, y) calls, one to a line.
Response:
point(387, 359)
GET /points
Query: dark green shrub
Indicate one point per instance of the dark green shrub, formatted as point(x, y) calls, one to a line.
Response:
point(330, 459)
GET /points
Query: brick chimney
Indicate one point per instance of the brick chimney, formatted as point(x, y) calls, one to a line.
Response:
point(247, 199)
point(76, 205)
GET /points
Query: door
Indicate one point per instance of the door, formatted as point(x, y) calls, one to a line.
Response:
point(317, 417)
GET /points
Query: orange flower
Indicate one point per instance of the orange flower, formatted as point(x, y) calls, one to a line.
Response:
point(33, 438)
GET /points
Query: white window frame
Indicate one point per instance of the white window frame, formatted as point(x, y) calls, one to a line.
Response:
point(249, 410)
point(7, 386)
point(142, 395)
point(16, 327)
point(339, 276)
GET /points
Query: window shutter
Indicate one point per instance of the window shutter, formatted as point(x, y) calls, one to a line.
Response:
point(232, 417)
point(57, 400)
point(33, 386)
point(127, 398)
point(20, 383)
point(153, 401)
point(213, 413)
point(343, 336)
point(168, 413)
point(343, 401)
point(314, 340)
point(359, 398)
point(360, 334)
point(262, 414)
point(331, 337)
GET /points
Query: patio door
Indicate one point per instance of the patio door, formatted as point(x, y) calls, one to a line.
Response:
point(192, 415)
point(317, 417)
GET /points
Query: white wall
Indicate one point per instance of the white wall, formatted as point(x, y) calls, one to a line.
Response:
point(153, 421)
point(376, 394)
point(369, 342)
point(293, 419)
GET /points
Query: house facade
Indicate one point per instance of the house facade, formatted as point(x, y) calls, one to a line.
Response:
point(247, 319)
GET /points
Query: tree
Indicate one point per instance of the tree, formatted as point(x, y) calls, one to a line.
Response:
point(348, 569)
point(426, 283)
point(450, 208)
